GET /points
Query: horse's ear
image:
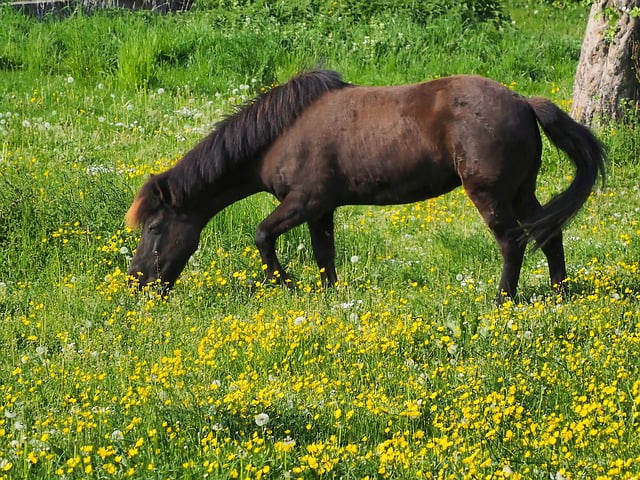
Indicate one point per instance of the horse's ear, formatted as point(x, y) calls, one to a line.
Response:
point(151, 196)
point(161, 190)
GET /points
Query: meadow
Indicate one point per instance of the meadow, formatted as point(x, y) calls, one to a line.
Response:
point(407, 369)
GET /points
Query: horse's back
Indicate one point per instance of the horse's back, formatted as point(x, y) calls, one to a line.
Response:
point(401, 143)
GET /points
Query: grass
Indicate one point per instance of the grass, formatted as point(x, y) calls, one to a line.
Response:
point(406, 370)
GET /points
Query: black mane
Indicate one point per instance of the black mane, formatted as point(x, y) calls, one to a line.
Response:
point(243, 135)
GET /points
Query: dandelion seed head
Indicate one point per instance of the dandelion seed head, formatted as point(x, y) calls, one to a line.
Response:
point(262, 419)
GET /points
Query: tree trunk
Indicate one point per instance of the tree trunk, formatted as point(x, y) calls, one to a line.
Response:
point(607, 83)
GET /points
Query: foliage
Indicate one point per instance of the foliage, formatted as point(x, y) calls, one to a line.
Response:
point(212, 48)
point(417, 10)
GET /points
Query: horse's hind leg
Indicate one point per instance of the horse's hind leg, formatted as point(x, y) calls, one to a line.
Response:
point(290, 213)
point(322, 241)
point(554, 251)
point(501, 219)
point(552, 247)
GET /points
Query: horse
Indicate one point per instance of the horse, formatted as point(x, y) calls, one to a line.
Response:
point(318, 143)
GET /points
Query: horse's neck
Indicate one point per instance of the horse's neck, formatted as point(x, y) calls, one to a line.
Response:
point(229, 189)
point(209, 187)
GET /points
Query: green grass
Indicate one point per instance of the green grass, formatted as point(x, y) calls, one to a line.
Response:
point(406, 370)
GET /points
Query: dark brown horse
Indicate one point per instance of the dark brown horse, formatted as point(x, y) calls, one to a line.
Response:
point(318, 143)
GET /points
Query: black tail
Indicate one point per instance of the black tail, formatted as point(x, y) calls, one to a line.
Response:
point(584, 150)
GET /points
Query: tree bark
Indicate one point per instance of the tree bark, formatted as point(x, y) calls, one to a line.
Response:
point(607, 83)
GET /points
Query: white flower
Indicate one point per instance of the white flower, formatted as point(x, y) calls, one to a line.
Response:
point(262, 419)
point(124, 250)
point(70, 79)
point(298, 321)
point(160, 91)
point(355, 259)
point(117, 436)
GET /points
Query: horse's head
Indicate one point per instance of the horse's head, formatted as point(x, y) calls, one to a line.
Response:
point(169, 234)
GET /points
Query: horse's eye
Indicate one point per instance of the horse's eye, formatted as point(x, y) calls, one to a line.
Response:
point(154, 227)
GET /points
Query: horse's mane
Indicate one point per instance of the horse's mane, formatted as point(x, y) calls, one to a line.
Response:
point(237, 138)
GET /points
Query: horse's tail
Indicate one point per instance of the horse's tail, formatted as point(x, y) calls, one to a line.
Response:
point(588, 156)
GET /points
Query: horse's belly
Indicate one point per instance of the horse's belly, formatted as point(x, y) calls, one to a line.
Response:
point(395, 187)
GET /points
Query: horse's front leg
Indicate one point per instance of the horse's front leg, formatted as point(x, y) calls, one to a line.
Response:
point(289, 214)
point(323, 243)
